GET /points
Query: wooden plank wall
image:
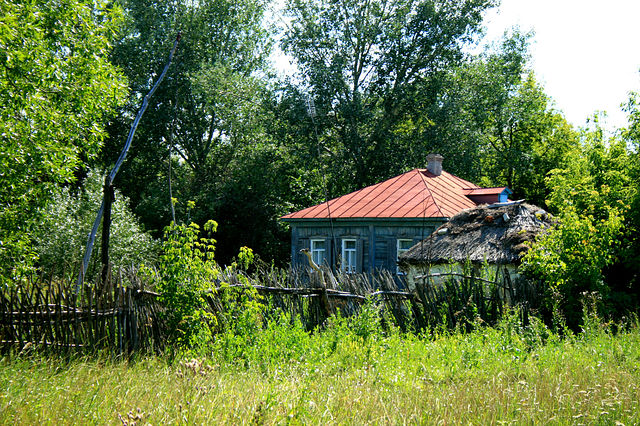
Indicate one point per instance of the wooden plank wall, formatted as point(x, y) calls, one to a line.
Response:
point(385, 242)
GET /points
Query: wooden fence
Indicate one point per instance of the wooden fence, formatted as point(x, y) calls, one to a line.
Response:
point(313, 297)
point(122, 319)
point(459, 300)
point(451, 299)
point(52, 317)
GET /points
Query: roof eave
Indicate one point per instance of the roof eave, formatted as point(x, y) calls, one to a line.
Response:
point(365, 219)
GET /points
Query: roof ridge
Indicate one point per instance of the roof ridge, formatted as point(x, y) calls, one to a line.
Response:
point(459, 179)
point(430, 194)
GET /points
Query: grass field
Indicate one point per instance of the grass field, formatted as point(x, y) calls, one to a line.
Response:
point(350, 373)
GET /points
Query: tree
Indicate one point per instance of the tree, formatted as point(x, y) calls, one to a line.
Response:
point(628, 271)
point(591, 197)
point(233, 153)
point(524, 137)
point(57, 90)
point(207, 105)
point(371, 68)
point(498, 124)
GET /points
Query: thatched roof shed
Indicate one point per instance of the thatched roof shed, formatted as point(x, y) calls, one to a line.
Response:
point(497, 233)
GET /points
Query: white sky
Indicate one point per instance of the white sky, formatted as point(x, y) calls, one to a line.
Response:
point(585, 53)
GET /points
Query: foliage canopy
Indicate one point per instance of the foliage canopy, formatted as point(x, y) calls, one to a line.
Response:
point(371, 67)
point(57, 90)
point(591, 195)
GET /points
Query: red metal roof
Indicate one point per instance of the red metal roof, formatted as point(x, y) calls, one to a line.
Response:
point(485, 191)
point(414, 194)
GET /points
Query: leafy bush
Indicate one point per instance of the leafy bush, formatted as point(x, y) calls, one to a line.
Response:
point(186, 271)
point(61, 235)
point(195, 309)
point(590, 197)
point(281, 339)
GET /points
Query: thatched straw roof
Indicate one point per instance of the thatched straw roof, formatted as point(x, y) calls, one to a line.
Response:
point(496, 233)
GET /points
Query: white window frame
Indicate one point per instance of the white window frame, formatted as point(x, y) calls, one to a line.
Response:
point(349, 262)
point(400, 250)
point(318, 255)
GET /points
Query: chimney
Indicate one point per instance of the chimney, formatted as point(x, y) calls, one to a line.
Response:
point(434, 164)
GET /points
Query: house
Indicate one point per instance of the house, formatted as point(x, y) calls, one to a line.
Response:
point(495, 236)
point(366, 230)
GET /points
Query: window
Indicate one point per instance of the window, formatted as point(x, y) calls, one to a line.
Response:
point(349, 256)
point(318, 252)
point(403, 246)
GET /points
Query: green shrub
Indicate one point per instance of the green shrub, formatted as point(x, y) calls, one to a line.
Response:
point(186, 271)
point(590, 197)
point(61, 235)
point(280, 340)
point(200, 304)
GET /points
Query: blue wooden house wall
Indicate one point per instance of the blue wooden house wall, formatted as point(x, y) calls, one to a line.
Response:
point(376, 239)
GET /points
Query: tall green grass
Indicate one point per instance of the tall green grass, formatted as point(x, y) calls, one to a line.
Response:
point(353, 372)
